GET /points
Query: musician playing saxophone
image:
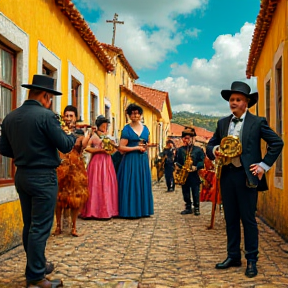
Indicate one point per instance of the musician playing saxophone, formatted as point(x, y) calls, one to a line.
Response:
point(190, 157)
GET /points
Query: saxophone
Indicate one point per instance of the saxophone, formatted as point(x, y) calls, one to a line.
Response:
point(181, 174)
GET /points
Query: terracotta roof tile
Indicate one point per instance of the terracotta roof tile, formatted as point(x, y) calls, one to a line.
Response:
point(81, 26)
point(264, 19)
point(119, 52)
point(140, 99)
point(202, 133)
point(176, 130)
point(154, 97)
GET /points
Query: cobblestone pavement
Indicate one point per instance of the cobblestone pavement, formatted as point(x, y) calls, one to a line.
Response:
point(164, 250)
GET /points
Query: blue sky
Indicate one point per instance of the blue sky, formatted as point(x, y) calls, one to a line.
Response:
point(190, 48)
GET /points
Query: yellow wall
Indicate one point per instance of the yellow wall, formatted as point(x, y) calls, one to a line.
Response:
point(272, 205)
point(166, 122)
point(10, 225)
point(43, 21)
point(112, 93)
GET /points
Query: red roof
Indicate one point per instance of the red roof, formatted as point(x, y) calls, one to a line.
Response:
point(81, 26)
point(140, 100)
point(124, 61)
point(202, 134)
point(262, 26)
point(155, 98)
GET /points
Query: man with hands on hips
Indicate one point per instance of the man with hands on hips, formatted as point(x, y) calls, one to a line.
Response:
point(244, 176)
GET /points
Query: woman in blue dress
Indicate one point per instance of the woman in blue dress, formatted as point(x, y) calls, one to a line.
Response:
point(134, 176)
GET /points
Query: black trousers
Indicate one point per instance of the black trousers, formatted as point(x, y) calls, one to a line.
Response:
point(168, 171)
point(239, 203)
point(37, 189)
point(192, 184)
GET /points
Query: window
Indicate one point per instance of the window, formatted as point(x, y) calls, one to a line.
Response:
point(93, 104)
point(93, 108)
point(113, 126)
point(7, 103)
point(49, 64)
point(278, 98)
point(76, 89)
point(49, 70)
point(76, 95)
point(123, 78)
point(267, 102)
point(107, 112)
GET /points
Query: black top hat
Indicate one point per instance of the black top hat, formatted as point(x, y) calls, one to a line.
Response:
point(100, 120)
point(189, 131)
point(243, 88)
point(44, 83)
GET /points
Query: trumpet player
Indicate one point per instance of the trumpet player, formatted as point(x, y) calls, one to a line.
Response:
point(244, 176)
point(192, 157)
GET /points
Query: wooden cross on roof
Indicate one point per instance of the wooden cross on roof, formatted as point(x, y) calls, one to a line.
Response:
point(114, 21)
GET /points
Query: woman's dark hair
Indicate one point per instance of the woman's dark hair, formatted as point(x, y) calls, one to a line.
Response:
point(72, 109)
point(100, 120)
point(133, 107)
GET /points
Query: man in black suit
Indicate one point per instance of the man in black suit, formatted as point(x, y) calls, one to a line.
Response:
point(32, 136)
point(244, 176)
point(192, 182)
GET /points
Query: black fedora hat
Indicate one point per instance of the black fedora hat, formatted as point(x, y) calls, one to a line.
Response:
point(44, 83)
point(243, 88)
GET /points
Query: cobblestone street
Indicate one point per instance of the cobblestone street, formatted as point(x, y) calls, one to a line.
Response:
point(165, 250)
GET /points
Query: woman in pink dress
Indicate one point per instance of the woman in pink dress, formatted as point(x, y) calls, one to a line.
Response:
point(102, 181)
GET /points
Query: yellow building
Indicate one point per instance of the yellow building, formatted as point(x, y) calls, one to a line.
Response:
point(268, 61)
point(47, 37)
point(123, 74)
point(157, 114)
point(51, 37)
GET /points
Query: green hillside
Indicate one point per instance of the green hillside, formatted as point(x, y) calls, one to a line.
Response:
point(195, 119)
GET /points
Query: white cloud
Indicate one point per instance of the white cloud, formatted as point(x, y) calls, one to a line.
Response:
point(150, 27)
point(152, 31)
point(197, 87)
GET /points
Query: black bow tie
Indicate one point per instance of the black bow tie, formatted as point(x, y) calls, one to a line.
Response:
point(236, 120)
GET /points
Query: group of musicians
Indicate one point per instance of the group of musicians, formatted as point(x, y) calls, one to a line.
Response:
point(242, 173)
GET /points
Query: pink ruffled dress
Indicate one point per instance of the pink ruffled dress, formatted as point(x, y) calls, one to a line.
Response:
point(102, 184)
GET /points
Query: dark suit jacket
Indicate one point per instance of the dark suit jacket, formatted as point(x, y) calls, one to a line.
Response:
point(253, 130)
point(197, 155)
point(31, 134)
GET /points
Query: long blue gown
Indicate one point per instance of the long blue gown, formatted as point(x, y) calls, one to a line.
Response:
point(134, 178)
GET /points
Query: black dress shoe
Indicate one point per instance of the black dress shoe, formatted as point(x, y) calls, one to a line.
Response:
point(49, 268)
point(229, 262)
point(186, 211)
point(251, 270)
point(196, 212)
